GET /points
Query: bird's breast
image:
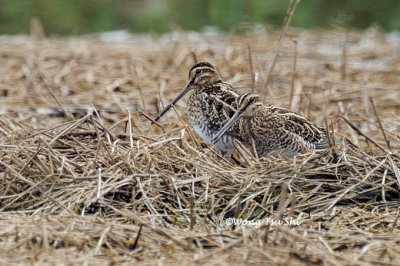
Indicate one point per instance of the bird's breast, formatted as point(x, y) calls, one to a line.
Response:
point(207, 120)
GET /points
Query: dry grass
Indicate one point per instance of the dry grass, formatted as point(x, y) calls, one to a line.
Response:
point(86, 178)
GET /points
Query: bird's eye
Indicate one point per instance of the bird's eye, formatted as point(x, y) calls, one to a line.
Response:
point(198, 71)
point(251, 100)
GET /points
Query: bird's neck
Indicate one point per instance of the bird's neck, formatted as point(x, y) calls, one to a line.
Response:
point(201, 87)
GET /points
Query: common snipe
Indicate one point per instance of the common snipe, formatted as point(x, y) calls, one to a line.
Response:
point(210, 106)
point(272, 129)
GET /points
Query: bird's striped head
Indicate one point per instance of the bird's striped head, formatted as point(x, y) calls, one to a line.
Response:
point(245, 104)
point(246, 101)
point(203, 73)
point(200, 74)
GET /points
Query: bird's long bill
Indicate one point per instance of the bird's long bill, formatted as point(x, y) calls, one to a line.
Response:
point(174, 101)
point(226, 127)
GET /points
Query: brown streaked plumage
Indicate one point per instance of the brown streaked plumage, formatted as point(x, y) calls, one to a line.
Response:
point(210, 105)
point(273, 129)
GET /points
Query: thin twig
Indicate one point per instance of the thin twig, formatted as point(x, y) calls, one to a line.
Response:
point(293, 75)
point(359, 132)
point(65, 111)
point(278, 47)
point(395, 221)
point(253, 77)
point(379, 123)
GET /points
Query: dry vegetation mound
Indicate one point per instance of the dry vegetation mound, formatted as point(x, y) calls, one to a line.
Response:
point(86, 178)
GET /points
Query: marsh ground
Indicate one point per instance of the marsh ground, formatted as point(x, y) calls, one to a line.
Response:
point(82, 169)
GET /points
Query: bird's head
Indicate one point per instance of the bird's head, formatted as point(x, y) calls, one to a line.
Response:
point(246, 102)
point(200, 74)
point(203, 74)
point(245, 105)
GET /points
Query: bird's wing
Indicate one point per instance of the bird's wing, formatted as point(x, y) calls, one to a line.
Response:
point(291, 128)
point(301, 129)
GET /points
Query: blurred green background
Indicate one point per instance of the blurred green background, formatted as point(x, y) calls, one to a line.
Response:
point(70, 17)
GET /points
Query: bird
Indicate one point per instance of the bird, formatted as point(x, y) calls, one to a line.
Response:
point(273, 130)
point(210, 106)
